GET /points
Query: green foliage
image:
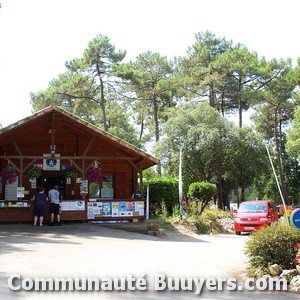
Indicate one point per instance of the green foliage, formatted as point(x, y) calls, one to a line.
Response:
point(293, 138)
point(71, 172)
point(163, 211)
point(176, 211)
point(149, 83)
point(34, 172)
point(201, 132)
point(201, 193)
point(163, 189)
point(271, 245)
point(202, 225)
point(216, 214)
point(149, 174)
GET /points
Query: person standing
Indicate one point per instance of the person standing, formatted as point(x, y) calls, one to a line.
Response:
point(39, 199)
point(55, 198)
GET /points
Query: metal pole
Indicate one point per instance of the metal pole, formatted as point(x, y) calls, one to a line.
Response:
point(147, 203)
point(180, 177)
point(180, 188)
point(278, 185)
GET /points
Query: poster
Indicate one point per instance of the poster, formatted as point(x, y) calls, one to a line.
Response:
point(106, 209)
point(97, 209)
point(33, 182)
point(83, 186)
point(20, 192)
point(115, 209)
point(139, 208)
point(122, 208)
point(90, 211)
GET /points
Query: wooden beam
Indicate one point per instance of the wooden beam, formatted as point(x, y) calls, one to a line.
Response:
point(14, 165)
point(88, 147)
point(76, 165)
point(70, 157)
point(16, 146)
point(29, 165)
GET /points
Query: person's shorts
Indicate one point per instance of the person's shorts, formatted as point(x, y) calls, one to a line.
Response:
point(54, 208)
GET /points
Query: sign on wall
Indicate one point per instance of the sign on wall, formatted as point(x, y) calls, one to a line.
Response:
point(72, 205)
point(51, 163)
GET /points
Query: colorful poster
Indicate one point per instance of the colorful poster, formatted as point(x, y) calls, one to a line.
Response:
point(122, 208)
point(115, 209)
point(106, 209)
point(20, 192)
point(129, 206)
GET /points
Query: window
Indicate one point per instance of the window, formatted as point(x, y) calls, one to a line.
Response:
point(107, 190)
point(105, 187)
point(94, 190)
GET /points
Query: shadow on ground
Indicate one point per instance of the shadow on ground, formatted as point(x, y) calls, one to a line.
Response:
point(13, 234)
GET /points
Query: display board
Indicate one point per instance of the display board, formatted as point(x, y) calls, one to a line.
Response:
point(115, 209)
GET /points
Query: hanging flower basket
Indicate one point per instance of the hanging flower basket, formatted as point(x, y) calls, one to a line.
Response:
point(34, 172)
point(8, 175)
point(71, 173)
point(94, 174)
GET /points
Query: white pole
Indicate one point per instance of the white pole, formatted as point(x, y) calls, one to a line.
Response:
point(180, 189)
point(276, 179)
point(180, 177)
point(147, 203)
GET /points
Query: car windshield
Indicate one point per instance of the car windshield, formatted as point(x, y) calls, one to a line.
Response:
point(253, 207)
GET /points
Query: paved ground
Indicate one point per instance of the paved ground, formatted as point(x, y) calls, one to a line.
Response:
point(97, 250)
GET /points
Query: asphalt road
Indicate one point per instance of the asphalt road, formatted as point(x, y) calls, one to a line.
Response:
point(92, 250)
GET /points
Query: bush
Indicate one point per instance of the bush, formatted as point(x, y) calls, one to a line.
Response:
point(216, 214)
point(271, 245)
point(202, 226)
point(200, 194)
point(163, 189)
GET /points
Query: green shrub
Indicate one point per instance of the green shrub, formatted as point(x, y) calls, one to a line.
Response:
point(202, 226)
point(162, 189)
point(201, 193)
point(271, 245)
point(215, 214)
point(176, 211)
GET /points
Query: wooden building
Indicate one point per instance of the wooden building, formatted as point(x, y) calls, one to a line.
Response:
point(96, 172)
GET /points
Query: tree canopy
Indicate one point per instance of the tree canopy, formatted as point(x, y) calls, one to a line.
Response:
point(163, 104)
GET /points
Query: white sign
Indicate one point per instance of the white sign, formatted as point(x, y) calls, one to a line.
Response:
point(51, 163)
point(72, 205)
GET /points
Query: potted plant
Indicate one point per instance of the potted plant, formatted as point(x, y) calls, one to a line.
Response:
point(94, 174)
point(8, 175)
point(34, 172)
point(71, 173)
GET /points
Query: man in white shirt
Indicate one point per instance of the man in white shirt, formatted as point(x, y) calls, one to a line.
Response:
point(55, 198)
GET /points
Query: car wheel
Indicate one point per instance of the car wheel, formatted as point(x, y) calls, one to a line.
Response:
point(237, 233)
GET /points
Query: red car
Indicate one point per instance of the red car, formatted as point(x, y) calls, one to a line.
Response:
point(252, 215)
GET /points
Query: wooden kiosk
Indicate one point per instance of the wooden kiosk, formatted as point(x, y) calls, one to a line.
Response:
point(96, 172)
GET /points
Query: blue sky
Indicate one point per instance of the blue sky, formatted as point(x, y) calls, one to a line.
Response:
point(37, 37)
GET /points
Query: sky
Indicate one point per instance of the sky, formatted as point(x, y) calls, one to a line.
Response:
point(37, 37)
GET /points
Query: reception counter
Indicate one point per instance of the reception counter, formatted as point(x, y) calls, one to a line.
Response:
point(76, 210)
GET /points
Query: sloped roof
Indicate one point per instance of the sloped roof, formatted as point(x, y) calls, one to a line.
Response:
point(75, 122)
